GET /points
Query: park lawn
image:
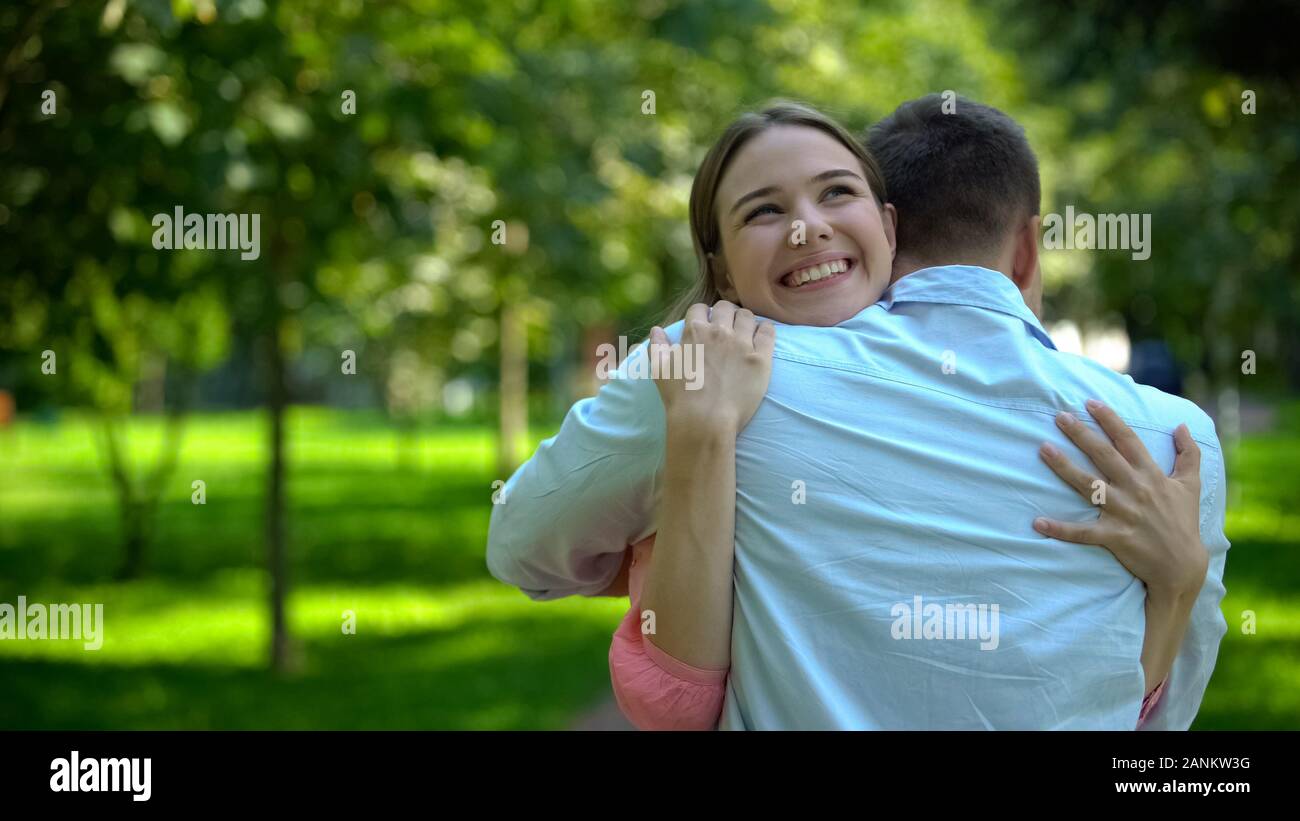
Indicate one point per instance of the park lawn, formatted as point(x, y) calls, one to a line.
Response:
point(389, 528)
point(393, 529)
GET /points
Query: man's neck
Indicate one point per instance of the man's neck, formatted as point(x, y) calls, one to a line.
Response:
point(907, 265)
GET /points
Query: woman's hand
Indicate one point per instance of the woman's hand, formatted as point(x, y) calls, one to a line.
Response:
point(1150, 521)
point(733, 354)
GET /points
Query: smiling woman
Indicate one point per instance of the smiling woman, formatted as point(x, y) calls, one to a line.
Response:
point(784, 191)
point(810, 212)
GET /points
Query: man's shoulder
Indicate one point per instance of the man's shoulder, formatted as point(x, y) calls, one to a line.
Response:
point(1138, 404)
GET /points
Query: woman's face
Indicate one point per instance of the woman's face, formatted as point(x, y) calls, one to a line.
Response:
point(803, 241)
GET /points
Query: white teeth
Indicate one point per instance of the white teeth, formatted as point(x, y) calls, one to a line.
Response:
point(816, 272)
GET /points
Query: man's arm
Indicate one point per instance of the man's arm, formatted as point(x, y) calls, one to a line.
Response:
point(1194, 665)
point(563, 521)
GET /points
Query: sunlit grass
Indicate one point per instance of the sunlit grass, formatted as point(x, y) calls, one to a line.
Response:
point(387, 526)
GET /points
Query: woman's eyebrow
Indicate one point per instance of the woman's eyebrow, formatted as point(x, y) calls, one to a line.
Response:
point(753, 195)
point(772, 189)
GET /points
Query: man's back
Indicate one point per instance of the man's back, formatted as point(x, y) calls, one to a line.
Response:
point(887, 574)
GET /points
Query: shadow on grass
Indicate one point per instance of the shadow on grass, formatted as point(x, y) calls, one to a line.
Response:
point(507, 673)
point(344, 524)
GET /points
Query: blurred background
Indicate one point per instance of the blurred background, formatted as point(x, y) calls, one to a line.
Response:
point(465, 199)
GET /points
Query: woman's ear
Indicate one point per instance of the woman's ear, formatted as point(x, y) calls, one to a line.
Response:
point(721, 279)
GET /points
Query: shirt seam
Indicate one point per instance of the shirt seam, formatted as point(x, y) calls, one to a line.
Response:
point(1024, 406)
point(1213, 498)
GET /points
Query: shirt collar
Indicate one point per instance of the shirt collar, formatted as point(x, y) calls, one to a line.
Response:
point(966, 285)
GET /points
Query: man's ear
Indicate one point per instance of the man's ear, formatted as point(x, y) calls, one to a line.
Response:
point(1025, 271)
point(889, 219)
point(721, 279)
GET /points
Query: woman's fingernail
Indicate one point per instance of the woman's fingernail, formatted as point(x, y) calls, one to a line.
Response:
point(1048, 450)
point(1093, 404)
point(1064, 419)
point(1040, 524)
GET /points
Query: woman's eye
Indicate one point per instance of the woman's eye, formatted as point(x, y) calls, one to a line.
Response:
point(760, 210)
point(844, 189)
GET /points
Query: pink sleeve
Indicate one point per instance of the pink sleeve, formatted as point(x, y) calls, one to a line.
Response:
point(654, 690)
point(1149, 703)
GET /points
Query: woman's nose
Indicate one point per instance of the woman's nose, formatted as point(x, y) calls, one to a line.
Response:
point(807, 225)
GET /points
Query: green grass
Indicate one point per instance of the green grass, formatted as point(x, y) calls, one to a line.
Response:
point(1256, 683)
point(397, 540)
point(394, 530)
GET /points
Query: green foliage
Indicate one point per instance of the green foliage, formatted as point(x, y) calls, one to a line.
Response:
point(379, 222)
point(1187, 112)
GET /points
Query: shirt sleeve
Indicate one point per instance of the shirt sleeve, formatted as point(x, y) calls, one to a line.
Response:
point(653, 689)
point(561, 523)
point(1190, 675)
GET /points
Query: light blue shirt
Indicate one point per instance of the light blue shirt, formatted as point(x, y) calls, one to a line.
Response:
point(887, 575)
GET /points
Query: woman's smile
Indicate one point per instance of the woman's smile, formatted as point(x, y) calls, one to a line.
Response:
point(819, 272)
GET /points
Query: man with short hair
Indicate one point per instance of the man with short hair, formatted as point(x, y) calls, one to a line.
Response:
point(886, 572)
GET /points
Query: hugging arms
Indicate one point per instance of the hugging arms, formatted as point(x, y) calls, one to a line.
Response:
point(685, 575)
point(909, 381)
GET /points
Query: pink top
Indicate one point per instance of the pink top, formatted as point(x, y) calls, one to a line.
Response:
point(654, 690)
point(658, 692)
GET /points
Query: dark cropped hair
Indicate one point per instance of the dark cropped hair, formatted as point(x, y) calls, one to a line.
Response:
point(960, 181)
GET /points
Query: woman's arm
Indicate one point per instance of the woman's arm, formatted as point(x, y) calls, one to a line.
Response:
point(654, 690)
point(1149, 521)
point(688, 585)
point(682, 687)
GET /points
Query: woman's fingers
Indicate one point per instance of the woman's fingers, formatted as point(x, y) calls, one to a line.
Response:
point(765, 339)
point(1102, 453)
point(1187, 464)
point(696, 315)
point(1072, 474)
point(1069, 531)
point(660, 352)
point(745, 325)
point(723, 314)
point(1126, 441)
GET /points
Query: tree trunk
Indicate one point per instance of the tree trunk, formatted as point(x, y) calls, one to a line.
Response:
point(513, 413)
point(275, 525)
point(138, 505)
point(134, 537)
